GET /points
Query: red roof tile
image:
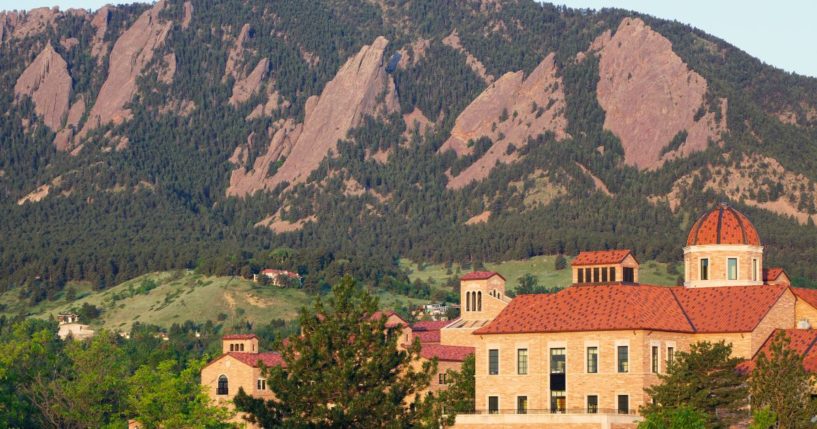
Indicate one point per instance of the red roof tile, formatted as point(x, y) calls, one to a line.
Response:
point(616, 307)
point(727, 309)
point(446, 353)
point(239, 337)
point(801, 341)
point(723, 225)
point(598, 257)
point(480, 275)
point(252, 359)
point(772, 273)
point(592, 308)
point(807, 295)
point(430, 325)
point(427, 336)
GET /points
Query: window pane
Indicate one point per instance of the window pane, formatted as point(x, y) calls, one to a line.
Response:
point(623, 359)
point(580, 275)
point(493, 361)
point(612, 274)
point(592, 404)
point(754, 270)
point(705, 269)
point(593, 359)
point(558, 403)
point(655, 359)
point(670, 354)
point(521, 404)
point(733, 268)
point(493, 404)
point(604, 275)
point(623, 404)
point(596, 278)
point(557, 361)
point(522, 361)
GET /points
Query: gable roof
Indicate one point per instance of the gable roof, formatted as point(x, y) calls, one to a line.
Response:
point(801, 341)
point(446, 353)
point(592, 308)
point(648, 307)
point(428, 331)
point(772, 273)
point(480, 275)
point(807, 295)
point(252, 359)
point(598, 257)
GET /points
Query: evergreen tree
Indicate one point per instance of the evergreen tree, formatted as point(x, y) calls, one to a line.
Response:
point(346, 369)
point(706, 380)
point(560, 263)
point(780, 382)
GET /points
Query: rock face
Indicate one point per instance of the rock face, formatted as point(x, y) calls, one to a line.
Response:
point(131, 53)
point(650, 95)
point(20, 25)
point(508, 112)
point(361, 87)
point(47, 82)
point(245, 88)
point(100, 22)
point(188, 15)
point(234, 56)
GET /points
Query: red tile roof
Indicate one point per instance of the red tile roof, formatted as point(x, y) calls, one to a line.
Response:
point(598, 257)
point(480, 275)
point(239, 337)
point(723, 225)
point(592, 308)
point(801, 341)
point(727, 309)
point(252, 359)
point(807, 295)
point(446, 353)
point(772, 273)
point(616, 307)
point(427, 336)
point(430, 325)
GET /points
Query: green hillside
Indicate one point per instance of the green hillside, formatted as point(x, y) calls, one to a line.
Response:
point(165, 298)
point(542, 267)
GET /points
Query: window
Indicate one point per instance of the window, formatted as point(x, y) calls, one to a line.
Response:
point(467, 301)
point(623, 404)
point(612, 274)
point(522, 361)
point(596, 275)
point(493, 404)
point(623, 358)
point(581, 275)
point(521, 405)
point(241, 347)
point(588, 276)
point(223, 386)
point(754, 270)
point(704, 269)
point(592, 360)
point(654, 359)
point(232, 347)
point(261, 384)
point(479, 301)
point(558, 403)
point(442, 378)
point(670, 355)
point(493, 361)
point(592, 404)
point(604, 275)
point(557, 361)
point(629, 275)
point(732, 268)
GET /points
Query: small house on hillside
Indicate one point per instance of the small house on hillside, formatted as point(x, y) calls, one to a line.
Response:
point(63, 318)
point(280, 278)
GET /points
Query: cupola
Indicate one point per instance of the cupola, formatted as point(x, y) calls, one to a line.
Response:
point(723, 249)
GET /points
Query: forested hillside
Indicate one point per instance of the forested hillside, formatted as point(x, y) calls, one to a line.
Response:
point(347, 134)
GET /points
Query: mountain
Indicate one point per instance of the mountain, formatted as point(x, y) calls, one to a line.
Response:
point(197, 134)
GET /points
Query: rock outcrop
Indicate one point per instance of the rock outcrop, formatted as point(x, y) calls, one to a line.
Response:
point(508, 112)
point(234, 56)
point(20, 25)
point(649, 96)
point(245, 182)
point(100, 22)
point(47, 82)
point(131, 53)
point(453, 41)
point(188, 14)
point(245, 88)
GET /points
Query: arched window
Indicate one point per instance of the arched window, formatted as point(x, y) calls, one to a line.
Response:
point(467, 301)
point(223, 387)
point(479, 301)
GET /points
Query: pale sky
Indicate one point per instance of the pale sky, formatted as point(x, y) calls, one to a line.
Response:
point(781, 33)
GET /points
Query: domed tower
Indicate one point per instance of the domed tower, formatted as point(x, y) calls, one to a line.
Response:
point(723, 249)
